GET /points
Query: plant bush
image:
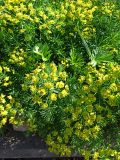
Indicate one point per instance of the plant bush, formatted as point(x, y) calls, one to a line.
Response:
point(60, 73)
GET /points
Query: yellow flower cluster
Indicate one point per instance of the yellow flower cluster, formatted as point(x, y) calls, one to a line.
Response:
point(15, 11)
point(4, 78)
point(87, 106)
point(65, 62)
point(57, 145)
point(3, 110)
point(8, 110)
point(82, 119)
point(47, 84)
point(80, 11)
point(18, 57)
point(106, 152)
point(51, 18)
point(8, 106)
point(111, 90)
point(108, 8)
point(80, 123)
point(85, 120)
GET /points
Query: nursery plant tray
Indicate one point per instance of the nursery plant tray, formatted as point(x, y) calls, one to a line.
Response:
point(18, 145)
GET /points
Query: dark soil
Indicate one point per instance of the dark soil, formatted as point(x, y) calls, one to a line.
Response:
point(19, 146)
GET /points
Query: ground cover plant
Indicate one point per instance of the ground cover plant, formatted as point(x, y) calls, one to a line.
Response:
point(60, 73)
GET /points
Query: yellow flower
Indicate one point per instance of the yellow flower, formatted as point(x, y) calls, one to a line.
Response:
point(6, 69)
point(44, 105)
point(13, 112)
point(59, 139)
point(2, 100)
point(35, 79)
point(85, 88)
point(33, 89)
point(54, 76)
point(6, 78)
point(114, 50)
point(30, 6)
point(63, 75)
point(60, 84)
point(97, 128)
point(5, 84)
point(53, 97)
point(4, 113)
point(37, 70)
point(11, 120)
point(42, 65)
point(67, 87)
point(44, 75)
point(36, 19)
point(9, 97)
point(96, 156)
point(8, 106)
point(81, 79)
point(4, 120)
point(113, 87)
point(36, 99)
point(78, 125)
point(42, 91)
point(63, 94)
point(0, 69)
point(1, 108)
point(49, 85)
point(54, 67)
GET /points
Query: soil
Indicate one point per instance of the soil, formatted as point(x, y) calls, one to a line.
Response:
point(17, 145)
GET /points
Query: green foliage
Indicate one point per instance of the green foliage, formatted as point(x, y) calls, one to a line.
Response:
point(60, 73)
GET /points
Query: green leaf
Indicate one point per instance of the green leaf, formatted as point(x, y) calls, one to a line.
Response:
point(43, 51)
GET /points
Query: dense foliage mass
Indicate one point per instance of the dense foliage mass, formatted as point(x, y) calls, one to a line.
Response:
point(60, 73)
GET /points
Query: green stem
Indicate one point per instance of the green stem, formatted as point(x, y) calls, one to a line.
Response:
point(86, 46)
